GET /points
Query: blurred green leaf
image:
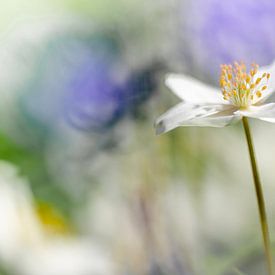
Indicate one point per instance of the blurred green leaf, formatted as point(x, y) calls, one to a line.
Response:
point(32, 165)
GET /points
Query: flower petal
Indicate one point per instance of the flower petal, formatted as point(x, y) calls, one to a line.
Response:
point(264, 112)
point(186, 114)
point(191, 90)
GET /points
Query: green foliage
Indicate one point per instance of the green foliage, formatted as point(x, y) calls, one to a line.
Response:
point(32, 165)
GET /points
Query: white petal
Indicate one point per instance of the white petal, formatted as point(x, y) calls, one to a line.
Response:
point(191, 90)
point(186, 114)
point(264, 112)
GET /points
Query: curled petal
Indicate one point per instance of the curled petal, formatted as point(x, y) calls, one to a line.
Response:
point(191, 90)
point(186, 114)
point(264, 112)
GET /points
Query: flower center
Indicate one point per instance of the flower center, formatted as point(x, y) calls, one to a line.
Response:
point(242, 88)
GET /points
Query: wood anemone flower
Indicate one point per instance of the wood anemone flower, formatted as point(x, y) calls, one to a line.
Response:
point(242, 93)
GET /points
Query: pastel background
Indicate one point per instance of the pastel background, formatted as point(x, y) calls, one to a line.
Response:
point(86, 187)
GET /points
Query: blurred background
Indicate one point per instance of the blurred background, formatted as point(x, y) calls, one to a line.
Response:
point(86, 187)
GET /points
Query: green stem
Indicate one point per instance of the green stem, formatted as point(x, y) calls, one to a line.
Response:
point(260, 197)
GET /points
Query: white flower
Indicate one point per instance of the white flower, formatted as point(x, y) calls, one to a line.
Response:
point(27, 249)
point(242, 94)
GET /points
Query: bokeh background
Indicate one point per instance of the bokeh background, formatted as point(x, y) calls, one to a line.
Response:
point(86, 187)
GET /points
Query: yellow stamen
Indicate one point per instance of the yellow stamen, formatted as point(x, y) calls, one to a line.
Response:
point(258, 94)
point(239, 86)
point(258, 80)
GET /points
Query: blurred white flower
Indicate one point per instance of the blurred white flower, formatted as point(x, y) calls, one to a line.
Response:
point(243, 94)
point(19, 227)
point(28, 249)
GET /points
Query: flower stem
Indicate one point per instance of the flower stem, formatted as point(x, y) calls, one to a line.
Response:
point(260, 197)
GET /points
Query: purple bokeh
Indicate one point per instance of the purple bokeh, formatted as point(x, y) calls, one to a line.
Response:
point(94, 100)
point(216, 32)
point(85, 83)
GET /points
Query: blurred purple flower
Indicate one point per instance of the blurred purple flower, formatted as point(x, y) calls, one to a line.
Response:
point(96, 101)
point(217, 32)
point(85, 83)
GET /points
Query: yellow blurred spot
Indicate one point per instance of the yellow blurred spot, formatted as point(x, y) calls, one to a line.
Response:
point(52, 220)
